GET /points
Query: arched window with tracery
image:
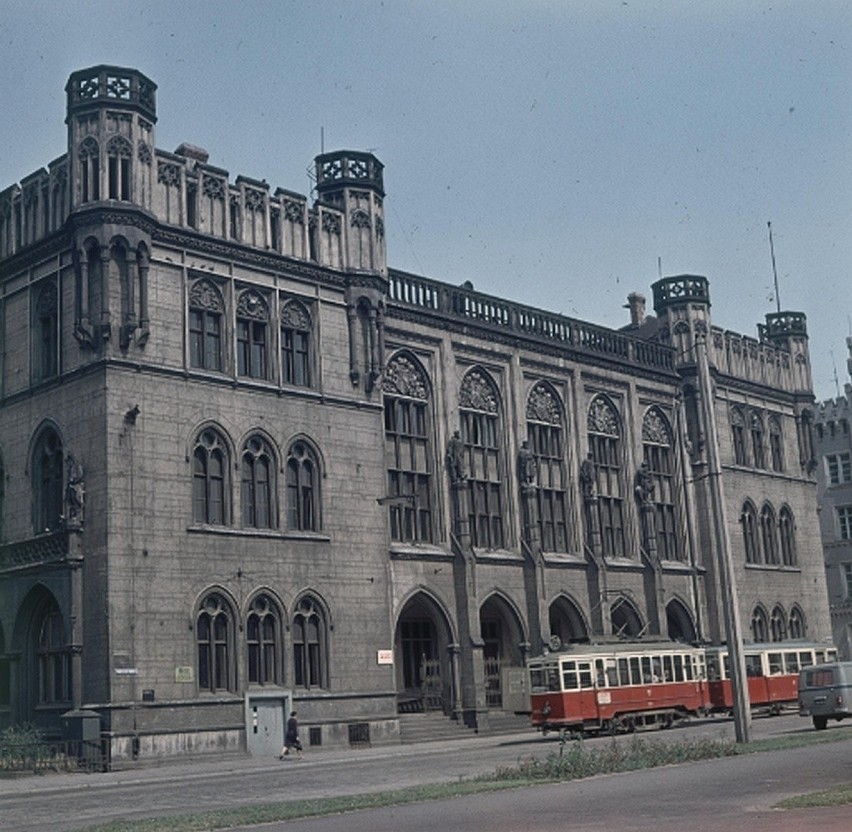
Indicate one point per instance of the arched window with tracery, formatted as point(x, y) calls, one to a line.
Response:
point(119, 157)
point(778, 624)
point(658, 454)
point(545, 429)
point(263, 642)
point(480, 432)
point(47, 482)
point(738, 436)
point(759, 625)
point(258, 484)
point(53, 657)
point(309, 644)
point(46, 332)
point(296, 346)
point(252, 320)
point(604, 438)
point(797, 622)
point(302, 488)
point(206, 317)
point(408, 450)
point(749, 522)
point(787, 536)
point(769, 535)
point(88, 155)
point(215, 639)
point(210, 485)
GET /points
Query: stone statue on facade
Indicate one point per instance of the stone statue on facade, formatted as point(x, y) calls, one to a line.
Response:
point(75, 494)
point(527, 466)
point(456, 464)
point(588, 479)
point(644, 484)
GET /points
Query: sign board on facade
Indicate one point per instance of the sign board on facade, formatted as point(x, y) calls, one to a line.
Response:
point(184, 674)
point(127, 671)
point(384, 657)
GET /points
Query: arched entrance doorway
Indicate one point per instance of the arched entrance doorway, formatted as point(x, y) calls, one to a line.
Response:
point(504, 647)
point(626, 621)
point(567, 624)
point(424, 671)
point(680, 624)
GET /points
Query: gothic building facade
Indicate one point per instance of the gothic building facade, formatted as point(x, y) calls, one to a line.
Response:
point(246, 465)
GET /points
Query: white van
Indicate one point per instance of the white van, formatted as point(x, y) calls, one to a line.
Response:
point(825, 692)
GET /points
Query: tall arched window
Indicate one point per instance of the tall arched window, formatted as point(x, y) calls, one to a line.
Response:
point(758, 454)
point(759, 624)
point(749, 521)
point(258, 484)
point(215, 637)
point(309, 644)
point(657, 451)
point(778, 624)
point(480, 433)
point(302, 488)
point(738, 436)
point(252, 318)
point(776, 444)
point(119, 158)
point(787, 536)
point(52, 655)
point(210, 479)
point(263, 640)
point(47, 482)
point(206, 316)
point(797, 622)
point(768, 535)
point(46, 332)
point(604, 437)
point(408, 450)
point(88, 155)
point(545, 432)
point(296, 357)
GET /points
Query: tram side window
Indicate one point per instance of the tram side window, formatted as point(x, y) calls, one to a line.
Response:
point(775, 664)
point(753, 665)
point(611, 673)
point(623, 672)
point(635, 675)
point(678, 668)
point(569, 676)
point(544, 679)
point(600, 677)
point(585, 676)
point(713, 671)
point(791, 662)
point(647, 675)
point(806, 658)
point(668, 669)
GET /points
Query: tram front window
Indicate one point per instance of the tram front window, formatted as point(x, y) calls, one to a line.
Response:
point(544, 678)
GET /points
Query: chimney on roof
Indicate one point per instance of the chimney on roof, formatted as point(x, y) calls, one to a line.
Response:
point(636, 305)
point(191, 151)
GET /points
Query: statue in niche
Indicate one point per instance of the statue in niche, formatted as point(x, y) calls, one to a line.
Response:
point(588, 478)
point(644, 484)
point(527, 465)
point(75, 494)
point(456, 463)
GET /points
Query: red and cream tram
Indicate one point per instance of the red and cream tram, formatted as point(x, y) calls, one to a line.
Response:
point(772, 673)
point(619, 686)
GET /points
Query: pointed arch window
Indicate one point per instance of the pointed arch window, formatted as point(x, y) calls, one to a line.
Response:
point(53, 656)
point(47, 482)
point(757, 451)
point(252, 319)
point(749, 521)
point(769, 535)
point(604, 438)
point(119, 157)
point(46, 332)
point(776, 444)
point(545, 430)
point(258, 484)
point(263, 642)
point(206, 316)
point(778, 624)
point(787, 536)
point(88, 155)
point(738, 436)
point(797, 622)
point(302, 488)
point(480, 433)
point(215, 639)
point(658, 454)
point(408, 450)
point(296, 345)
point(309, 645)
point(759, 625)
point(210, 479)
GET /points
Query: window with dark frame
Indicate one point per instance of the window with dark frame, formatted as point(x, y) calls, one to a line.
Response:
point(206, 314)
point(604, 439)
point(214, 636)
point(263, 628)
point(209, 479)
point(309, 634)
point(302, 488)
point(658, 454)
point(48, 482)
point(258, 484)
point(295, 344)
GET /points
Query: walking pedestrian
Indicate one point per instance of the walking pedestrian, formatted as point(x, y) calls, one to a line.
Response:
point(291, 738)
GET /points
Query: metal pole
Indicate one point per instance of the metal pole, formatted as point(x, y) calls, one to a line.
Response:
point(727, 579)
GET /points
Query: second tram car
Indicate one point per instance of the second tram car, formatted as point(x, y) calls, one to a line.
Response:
point(616, 687)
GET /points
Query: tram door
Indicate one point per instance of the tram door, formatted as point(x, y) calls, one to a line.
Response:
point(578, 684)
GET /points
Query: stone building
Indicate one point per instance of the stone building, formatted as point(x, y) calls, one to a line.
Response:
point(246, 466)
point(834, 486)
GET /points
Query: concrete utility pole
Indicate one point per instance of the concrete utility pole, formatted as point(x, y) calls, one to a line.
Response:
point(727, 579)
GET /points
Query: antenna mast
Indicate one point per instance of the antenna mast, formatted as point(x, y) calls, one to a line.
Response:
point(774, 270)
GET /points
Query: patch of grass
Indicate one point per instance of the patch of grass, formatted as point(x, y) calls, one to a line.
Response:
point(837, 796)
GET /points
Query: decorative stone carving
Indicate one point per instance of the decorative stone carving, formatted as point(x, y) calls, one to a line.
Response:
point(588, 478)
point(119, 146)
point(254, 200)
point(331, 224)
point(294, 315)
point(602, 417)
point(478, 393)
point(380, 228)
point(542, 405)
point(144, 152)
point(251, 304)
point(404, 377)
point(294, 211)
point(213, 187)
point(168, 174)
point(75, 494)
point(644, 485)
point(360, 219)
point(527, 466)
point(204, 295)
point(654, 428)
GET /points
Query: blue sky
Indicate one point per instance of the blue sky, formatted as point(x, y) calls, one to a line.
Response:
point(550, 152)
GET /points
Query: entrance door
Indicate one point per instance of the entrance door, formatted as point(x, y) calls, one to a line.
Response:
point(265, 721)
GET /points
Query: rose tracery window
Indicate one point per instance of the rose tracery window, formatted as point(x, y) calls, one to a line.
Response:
point(604, 438)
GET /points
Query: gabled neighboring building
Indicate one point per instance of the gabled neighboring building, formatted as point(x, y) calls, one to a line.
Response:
point(245, 465)
point(834, 486)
